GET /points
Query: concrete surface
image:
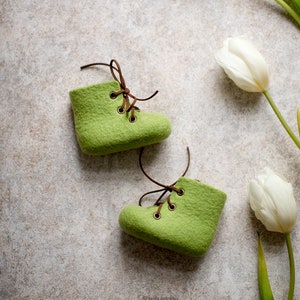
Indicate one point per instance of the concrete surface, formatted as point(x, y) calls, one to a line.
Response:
point(59, 231)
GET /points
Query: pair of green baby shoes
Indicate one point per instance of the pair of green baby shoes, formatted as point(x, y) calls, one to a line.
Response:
point(107, 121)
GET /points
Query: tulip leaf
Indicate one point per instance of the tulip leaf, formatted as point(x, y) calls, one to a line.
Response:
point(263, 278)
point(296, 4)
point(298, 118)
point(292, 7)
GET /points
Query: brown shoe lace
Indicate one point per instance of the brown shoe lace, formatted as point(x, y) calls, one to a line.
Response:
point(164, 190)
point(126, 105)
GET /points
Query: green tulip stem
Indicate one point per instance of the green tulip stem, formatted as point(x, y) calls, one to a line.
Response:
point(281, 119)
point(289, 10)
point(292, 266)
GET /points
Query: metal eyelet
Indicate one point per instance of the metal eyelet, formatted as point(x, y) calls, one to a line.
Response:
point(132, 119)
point(112, 95)
point(180, 192)
point(120, 110)
point(156, 216)
point(172, 206)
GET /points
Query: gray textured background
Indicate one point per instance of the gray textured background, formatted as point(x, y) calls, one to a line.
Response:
point(59, 230)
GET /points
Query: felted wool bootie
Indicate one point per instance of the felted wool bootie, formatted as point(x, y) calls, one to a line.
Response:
point(107, 122)
point(186, 222)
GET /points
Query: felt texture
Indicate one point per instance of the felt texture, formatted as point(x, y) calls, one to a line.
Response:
point(101, 129)
point(59, 233)
point(189, 229)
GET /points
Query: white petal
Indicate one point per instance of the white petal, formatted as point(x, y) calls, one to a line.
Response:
point(236, 70)
point(273, 202)
point(255, 62)
point(263, 207)
point(270, 221)
point(282, 194)
point(259, 199)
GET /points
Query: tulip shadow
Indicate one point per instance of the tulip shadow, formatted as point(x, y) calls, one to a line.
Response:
point(289, 151)
point(272, 241)
point(273, 7)
point(235, 98)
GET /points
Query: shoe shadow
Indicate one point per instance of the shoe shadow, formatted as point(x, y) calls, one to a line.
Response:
point(135, 251)
point(124, 161)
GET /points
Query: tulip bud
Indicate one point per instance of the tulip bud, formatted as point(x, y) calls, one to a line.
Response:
point(273, 202)
point(244, 64)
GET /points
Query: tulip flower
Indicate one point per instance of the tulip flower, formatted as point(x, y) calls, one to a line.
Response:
point(292, 7)
point(243, 64)
point(272, 200)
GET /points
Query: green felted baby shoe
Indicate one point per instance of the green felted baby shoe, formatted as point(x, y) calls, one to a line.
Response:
point(186, 223)
point(106, 121)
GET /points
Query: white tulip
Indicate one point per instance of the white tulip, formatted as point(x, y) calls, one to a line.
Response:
point(244, 64)
point(273, 202)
